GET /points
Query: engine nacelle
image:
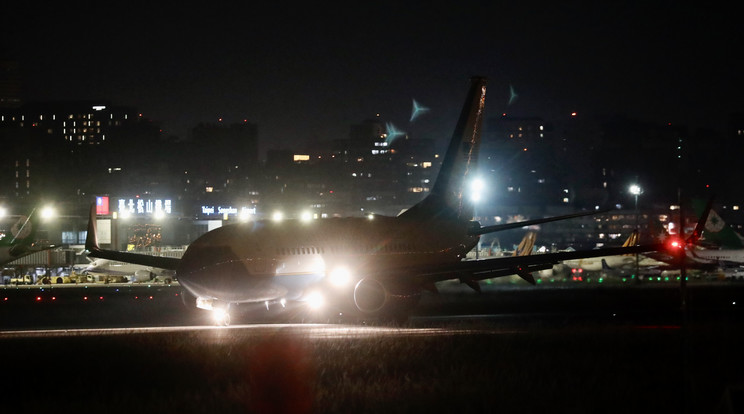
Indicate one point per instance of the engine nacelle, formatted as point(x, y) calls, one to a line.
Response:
point(143, 275)
point(372, 296)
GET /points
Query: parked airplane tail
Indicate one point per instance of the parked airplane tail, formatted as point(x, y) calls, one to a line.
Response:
point(23, 232)
point(632, 240)
point(605, 266)
point(715, 229)
point(448, 198)
point(527, 244)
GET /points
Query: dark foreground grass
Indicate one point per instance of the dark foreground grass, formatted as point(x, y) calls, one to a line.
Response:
point(616, 369)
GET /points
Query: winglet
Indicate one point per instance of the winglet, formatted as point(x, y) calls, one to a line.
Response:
point(91, 239)
point(526, 275)
point(698, 232)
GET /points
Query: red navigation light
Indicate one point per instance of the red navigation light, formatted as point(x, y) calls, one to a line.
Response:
point(38, 298)
point(675, 243)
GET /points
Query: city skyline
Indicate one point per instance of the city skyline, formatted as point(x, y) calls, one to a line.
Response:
point(305, 75)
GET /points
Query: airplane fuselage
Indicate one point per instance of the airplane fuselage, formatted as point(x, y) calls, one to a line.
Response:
point(722, 255)
point(266, 260)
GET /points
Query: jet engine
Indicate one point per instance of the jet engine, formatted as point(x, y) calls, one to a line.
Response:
point(375, 297)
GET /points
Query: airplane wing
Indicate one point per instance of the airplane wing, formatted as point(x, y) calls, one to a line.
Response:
point(519, 265)
point(91, 245)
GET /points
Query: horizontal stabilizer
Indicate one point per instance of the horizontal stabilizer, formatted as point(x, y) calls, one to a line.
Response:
point(527, 276)
point(520, 224)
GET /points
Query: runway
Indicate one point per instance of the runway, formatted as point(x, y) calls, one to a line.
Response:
point(508, 349)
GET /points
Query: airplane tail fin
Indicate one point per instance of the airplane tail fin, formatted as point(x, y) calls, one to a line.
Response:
point(715, 228)
point(632, 240)
point(527, 244)
point(448, 198)
point(94, 250)
point(605, 266)
point(23, 232)
point(91, 238)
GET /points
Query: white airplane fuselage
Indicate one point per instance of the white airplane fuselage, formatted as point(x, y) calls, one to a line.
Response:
point(719, 255)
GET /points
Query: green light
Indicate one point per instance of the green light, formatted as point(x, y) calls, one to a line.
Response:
point(601, 280)
point(625, 280)
point(539, 281)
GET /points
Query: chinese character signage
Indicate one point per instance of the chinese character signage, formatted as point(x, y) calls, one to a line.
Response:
point(144, 207)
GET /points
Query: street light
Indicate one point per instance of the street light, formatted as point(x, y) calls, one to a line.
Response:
point(636, 190)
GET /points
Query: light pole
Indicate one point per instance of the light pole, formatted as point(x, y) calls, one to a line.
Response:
point(636, 190)
point(477, 187)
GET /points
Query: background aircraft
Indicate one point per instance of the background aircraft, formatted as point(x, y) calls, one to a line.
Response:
point(719, 243)
point(129, 271)
point(376, 267)
point(21, 240)
point(617, 262)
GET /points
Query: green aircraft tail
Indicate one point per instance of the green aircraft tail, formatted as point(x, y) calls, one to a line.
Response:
point(22, 233)
point(716, 231)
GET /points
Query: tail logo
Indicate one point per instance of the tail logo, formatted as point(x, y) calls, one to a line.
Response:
point(714, 223)
point(21, 229)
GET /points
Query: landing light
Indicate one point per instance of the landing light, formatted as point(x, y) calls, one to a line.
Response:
point(315, 300)
point(277, 216)
point(220, 315)
point(340, 276)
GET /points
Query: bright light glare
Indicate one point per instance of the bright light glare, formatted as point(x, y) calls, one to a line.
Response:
point(635, 189)
point(477, 186)
point(3, 212)
point(315, 300)
point(340, 276)
point(220, 315)
point(306, 216)
point(277, 216)
point(47, 213)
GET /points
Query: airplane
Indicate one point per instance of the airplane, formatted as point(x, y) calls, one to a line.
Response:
point(376, 266)
point(22, 239)
point(729, 250)
point(134, 272)
point(606, 263)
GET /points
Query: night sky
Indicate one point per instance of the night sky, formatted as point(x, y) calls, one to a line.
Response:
point(304, 73)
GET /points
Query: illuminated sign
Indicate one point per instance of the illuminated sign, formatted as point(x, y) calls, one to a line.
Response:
point(102, 206)
point(143, 207)
point(226, 210)
point(301, 157)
